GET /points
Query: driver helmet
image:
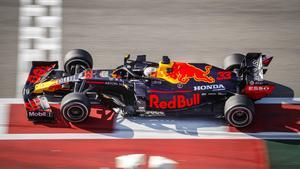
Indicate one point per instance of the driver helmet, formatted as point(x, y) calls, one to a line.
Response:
point(149, 71)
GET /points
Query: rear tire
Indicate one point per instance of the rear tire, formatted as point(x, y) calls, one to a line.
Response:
point(233, 61)
point(239, 111)
point(75, 107)
point(77, 57)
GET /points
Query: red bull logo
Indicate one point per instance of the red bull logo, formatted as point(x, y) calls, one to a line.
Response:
point(183, 72)
point(177, 102)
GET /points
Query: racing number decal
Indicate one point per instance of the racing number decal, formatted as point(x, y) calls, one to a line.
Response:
point(226, 75)
point(88, 74)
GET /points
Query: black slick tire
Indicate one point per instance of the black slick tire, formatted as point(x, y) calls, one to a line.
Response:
point(75, 107)
point(239, 111)
point(233, 61)
point(77, 57)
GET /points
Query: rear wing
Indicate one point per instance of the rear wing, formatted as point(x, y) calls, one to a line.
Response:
point(37, 106)
point(255, 66)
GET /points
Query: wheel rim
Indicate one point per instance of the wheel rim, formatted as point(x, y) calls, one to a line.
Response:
point(240, 117)
point(76, 112)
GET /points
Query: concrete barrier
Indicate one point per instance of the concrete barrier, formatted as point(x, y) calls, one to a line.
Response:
point(39, 35)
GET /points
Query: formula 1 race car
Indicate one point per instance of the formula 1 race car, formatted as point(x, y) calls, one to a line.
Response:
point(139, 86)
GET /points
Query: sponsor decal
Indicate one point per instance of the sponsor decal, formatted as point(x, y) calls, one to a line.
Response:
point(154, 82)
point(115, 79)
point(177, 101)
point(257, 69)
point(258, 91)
point(183, 72)
point(44, 102)
point(258, 88)
point(37, 104)
point(114, 83)
point(216, 87)
point(213, 94)
point(67, 79)
point(49, 86)
point(39, 114)
point(104, 74)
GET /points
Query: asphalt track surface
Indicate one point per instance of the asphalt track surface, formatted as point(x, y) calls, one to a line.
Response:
point(192, 142)
point(190, 30)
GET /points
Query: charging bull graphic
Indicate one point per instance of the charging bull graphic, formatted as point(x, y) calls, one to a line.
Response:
point(183, 72)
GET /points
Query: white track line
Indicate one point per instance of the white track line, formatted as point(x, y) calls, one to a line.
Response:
point(11, 100)
point(4, 113)
point(268, 100)
point(153, 135)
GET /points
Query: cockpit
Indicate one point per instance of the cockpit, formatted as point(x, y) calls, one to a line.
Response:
point(141, 68)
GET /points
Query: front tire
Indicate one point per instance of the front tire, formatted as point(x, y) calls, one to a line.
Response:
point(77, 57)
point(239, 111)
point(75, 107)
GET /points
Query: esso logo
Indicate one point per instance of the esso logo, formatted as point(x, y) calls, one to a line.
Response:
point(258, 88)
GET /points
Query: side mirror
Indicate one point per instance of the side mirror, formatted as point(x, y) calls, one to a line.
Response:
point(169, 70)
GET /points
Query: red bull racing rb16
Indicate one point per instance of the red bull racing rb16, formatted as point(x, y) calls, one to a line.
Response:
point(139, 86)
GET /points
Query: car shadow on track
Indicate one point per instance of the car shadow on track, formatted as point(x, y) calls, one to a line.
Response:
point(181, 125)
point(274, 118)
point(269, 118)
point(100, 121)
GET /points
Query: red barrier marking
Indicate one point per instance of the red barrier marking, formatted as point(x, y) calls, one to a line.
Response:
point(100, 121)
point(86, 154)
point(274, 118)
